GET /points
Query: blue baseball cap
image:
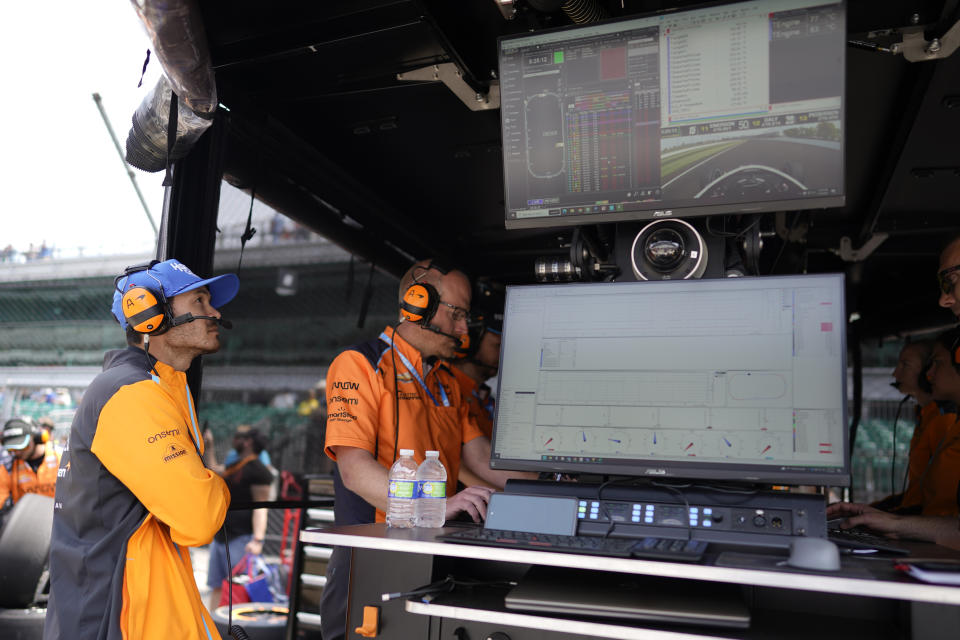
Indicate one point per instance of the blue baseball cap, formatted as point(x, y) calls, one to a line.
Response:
point(175, 278)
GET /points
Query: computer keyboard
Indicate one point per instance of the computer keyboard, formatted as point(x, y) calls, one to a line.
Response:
point(654, 548)
point(860, 540)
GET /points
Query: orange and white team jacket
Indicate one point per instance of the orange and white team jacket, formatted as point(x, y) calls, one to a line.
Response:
point(363, 392)
point(132, 496)
point(22, 479)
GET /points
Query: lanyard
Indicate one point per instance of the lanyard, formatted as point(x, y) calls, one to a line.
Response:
point(486, 404)
point(413, 371)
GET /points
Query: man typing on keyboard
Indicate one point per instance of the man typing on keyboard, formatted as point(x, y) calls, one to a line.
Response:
point(944, 377)
point(397, 391)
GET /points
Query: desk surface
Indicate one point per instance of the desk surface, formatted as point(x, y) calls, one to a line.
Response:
point(874, 577)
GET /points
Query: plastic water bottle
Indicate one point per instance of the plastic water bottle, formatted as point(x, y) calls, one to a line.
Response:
point(402, 491)
point(431, 491)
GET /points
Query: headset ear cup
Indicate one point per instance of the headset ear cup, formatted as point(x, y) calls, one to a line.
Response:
point(143, 311)
point(420, 302)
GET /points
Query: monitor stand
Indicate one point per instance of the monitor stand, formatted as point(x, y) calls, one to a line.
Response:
point(680, 510)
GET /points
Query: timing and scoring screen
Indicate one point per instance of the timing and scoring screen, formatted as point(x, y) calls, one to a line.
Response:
point(727, 379)
point(724, 109)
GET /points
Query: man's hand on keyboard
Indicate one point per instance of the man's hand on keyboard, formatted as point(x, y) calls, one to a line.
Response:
point(863, 515)
point(472, 500)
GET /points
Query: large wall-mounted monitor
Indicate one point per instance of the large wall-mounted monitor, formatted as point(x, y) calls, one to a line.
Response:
point(731, 108)
point(737, 379)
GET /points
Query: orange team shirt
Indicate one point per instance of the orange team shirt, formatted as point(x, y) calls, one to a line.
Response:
point(931, 427)
point(360, 408)
point(940, 481)
point(475, 407)
point(22, 479)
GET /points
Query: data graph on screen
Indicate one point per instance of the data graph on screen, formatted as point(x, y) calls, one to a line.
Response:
point(726, 378)
point(725, 108)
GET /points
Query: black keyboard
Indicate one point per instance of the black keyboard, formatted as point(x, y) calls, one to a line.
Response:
point(654, 548)
point(858, 539)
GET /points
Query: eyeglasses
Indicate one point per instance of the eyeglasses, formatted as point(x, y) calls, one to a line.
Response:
point(459, 313)
point(946, 284)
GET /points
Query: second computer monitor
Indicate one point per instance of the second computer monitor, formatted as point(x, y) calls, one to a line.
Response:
point(730, 379)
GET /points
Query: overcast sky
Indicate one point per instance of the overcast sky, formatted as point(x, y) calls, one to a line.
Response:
point(61, 180)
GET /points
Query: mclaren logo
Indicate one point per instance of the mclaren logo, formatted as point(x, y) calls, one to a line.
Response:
point(173, 452)
point(346, 385)
point(405, 376)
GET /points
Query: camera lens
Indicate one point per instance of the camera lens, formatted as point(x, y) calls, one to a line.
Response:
point(665, 249)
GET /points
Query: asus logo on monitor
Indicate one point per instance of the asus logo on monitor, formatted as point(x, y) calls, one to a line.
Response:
point(655, 472)
point(663, 213)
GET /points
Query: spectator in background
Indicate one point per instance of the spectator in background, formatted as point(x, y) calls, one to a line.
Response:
point(249, 480)
point(232, 455)
point(931, 423)
point(478, 360)
point(34, 465)
point(310, 404)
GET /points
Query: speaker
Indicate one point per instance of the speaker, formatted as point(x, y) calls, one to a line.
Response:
point(668, 249)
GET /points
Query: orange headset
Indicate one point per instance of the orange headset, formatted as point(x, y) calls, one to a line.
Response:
point(145, 309)
point(421, 300)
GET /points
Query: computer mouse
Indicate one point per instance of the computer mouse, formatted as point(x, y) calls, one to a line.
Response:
point(817, 554)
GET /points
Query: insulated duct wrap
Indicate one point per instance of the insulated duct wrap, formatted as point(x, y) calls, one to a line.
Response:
point(179, 42)
point(147, 140)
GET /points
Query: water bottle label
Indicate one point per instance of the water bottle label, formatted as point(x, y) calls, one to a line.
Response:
point(401, 489)
point(433, 489)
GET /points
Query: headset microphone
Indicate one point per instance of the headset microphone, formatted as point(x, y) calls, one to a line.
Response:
point(189, 317)
point(430, 327)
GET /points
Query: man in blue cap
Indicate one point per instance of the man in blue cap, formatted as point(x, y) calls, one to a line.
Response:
point(132, 490)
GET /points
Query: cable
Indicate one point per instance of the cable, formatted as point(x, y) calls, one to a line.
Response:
point(151, 366)
point(686, 503)
point(606, 512)
point(893, 460)
point(446, 586)
point(786, 241)
point(396, 391)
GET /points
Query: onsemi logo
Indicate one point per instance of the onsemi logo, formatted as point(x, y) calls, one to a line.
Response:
point(173, 452)
point(163, 434)
point(344, 399)
point(346, 385)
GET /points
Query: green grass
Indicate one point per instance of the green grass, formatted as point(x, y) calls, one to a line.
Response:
point(681, 161)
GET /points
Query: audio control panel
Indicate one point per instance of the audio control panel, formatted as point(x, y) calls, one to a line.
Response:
point(750, 517)
point(729, 523)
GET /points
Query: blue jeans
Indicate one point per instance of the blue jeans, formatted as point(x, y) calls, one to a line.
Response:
point(217, 568)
